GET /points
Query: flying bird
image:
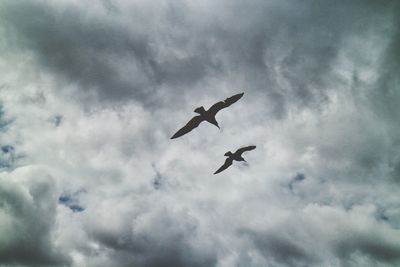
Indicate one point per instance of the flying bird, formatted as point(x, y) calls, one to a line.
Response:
point(207, 115)
point(234, 156)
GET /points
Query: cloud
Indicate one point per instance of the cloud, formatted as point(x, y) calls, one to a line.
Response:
point(159, 238)
point(297, 178)
point(27, 219)
point(286, 55)
point(347, 238)
point(106, 55)
point(92, 92)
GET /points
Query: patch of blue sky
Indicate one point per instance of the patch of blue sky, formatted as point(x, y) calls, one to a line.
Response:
point(71, 201)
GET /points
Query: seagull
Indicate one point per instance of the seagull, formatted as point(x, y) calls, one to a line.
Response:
point(207, 115)
point(234, 156)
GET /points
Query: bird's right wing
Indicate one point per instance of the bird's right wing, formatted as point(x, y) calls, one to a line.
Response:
point(244, 149)
point(193, 123)
point(228, 162)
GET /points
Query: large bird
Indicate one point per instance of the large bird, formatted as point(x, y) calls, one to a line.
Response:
point(234, 156)
point(207, 115)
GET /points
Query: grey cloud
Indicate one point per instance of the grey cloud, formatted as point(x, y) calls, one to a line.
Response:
point(158, 180)
point(156, 238)
point(7, 157)
point(57, 120)
point(284, 51)
point(282, 249)
point(26, 240)
point(341, 241)
point(387, 96)
point(65, 42)
point(4, 121)
point(371, 246)
point(7, 152)
point(326, 71)
point(93, 51)
point(297, 178)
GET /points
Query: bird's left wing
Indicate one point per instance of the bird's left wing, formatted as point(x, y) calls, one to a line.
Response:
point(228, 162)
point(224, 104)
point(244, 149)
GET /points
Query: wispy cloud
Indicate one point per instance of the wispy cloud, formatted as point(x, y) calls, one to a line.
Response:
point(92, 91)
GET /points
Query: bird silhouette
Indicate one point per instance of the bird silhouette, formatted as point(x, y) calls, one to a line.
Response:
point(207, 115)
point(234, 156)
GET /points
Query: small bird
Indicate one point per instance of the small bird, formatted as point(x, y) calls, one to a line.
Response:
point(234, 156)
point(207, 115)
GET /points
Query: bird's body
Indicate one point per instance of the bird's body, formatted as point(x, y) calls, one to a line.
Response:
point(206, 115)
point(234, 156)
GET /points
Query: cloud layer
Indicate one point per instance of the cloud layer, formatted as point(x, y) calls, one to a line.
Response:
point(92, 92)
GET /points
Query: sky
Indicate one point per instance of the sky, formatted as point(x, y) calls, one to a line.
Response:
point(91, 92)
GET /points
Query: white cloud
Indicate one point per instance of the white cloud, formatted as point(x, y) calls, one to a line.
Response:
point(73, 131)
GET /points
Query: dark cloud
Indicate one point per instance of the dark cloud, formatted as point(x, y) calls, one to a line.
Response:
point(7, 157)
point(277, 247)
point(289, 243)
point(28, 240)
point(165, 239)
point(386, 94)
point(100, 54)
point(79, 48)
point(158, 180)
point(297, 178)
point(7, 148)
point(7, 152)
point(57, 120)
point(371, 246)
point(327, 71)
point(284, 51)
point(4, 121)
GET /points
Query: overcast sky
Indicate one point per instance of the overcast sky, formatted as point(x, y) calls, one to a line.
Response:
point(91, 92)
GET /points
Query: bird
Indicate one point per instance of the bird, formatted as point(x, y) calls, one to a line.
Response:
point(234, 156)
point(206, 115)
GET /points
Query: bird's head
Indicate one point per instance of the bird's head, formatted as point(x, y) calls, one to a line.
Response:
point(227, 154)
point(200, 110)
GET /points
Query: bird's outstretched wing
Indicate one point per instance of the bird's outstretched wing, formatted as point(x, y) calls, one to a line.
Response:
point(228, 162)
point(193, 123)
point(244, 149)
point(226, 103)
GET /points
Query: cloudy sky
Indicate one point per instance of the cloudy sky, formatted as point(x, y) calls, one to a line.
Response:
point(91, 92)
